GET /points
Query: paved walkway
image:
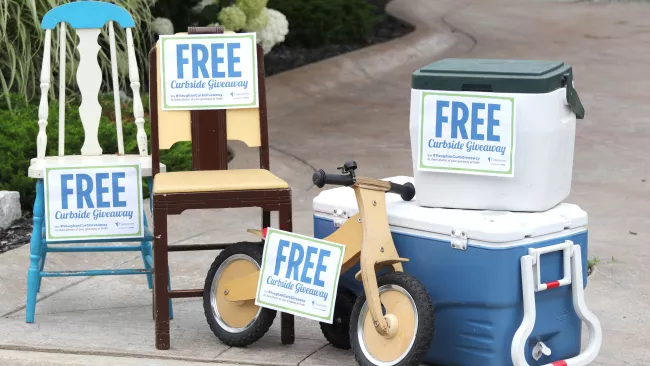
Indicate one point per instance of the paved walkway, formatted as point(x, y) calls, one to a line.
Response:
point(356, 107)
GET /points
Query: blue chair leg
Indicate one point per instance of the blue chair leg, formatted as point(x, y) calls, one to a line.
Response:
point(147, 256)
point(43, 257)
point(35, 249)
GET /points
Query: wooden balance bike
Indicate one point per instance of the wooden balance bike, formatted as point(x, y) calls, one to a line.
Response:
point(390, 323)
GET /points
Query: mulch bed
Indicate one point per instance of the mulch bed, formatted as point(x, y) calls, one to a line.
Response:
point(16, 235)
point(280, 59)
point(283, 58)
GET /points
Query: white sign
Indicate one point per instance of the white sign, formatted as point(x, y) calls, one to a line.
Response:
point(96, 202)
point(299, 275)
point(217, 71)
point(466, 132)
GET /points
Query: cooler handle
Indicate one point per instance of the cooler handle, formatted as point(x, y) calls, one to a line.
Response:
point(530, 285)
point(572, 98)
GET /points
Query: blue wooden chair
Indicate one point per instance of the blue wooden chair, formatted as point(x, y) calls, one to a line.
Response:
point(87, 18)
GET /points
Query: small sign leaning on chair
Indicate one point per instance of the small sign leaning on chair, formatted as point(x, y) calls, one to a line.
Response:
point(216, 71)
point(299, 275)
point(97, 202)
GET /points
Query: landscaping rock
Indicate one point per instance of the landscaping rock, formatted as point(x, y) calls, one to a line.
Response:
point(9, 208)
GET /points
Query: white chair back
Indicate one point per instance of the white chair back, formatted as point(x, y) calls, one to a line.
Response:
point(87, 18)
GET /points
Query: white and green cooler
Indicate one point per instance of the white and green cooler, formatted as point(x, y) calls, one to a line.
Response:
point(493, 134)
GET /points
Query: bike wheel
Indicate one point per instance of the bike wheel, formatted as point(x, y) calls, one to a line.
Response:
point(241, 323)
point(338, 333)
point(407, 299)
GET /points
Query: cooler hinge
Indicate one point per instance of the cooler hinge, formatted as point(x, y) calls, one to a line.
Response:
point(459, 239)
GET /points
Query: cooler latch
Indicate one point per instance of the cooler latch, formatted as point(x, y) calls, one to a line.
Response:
point(459, 239)
point(340, 216)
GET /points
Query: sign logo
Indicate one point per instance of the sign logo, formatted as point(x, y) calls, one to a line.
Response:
point(299, 275)
point(467, 133)
point(93, 202)
point(216, 71)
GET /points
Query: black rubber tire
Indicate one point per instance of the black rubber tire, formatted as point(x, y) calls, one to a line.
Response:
point(338, 333)
point(265, 319)
point(424, 306)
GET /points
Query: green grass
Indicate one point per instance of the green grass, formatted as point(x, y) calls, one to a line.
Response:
point(22, 43)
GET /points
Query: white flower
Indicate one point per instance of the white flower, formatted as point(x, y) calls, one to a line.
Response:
point(198, 7)
point(163, 26)
point(277, 27)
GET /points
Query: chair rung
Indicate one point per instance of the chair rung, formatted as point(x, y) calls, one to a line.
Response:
point(53, 249)
point(177, 294)
point(195, 247)
point(96, 272)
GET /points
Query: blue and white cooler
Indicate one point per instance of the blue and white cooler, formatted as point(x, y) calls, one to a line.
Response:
point(508, 287)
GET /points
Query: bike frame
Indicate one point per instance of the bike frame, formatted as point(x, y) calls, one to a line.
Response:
point(367, 240)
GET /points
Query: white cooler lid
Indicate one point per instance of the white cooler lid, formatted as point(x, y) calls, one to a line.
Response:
point(480, 225)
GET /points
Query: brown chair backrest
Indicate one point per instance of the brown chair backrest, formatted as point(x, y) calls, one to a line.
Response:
point(208, 130)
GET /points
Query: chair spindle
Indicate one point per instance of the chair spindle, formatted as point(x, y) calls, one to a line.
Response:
point(138, 110)
point(41, 139)
point(62, 64)
point(116, 90)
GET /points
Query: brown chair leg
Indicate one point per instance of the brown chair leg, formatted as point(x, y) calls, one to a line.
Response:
point(287, 328)
point(161, 273)
point(266, 218)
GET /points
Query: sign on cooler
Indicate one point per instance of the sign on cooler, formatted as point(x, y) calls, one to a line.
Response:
point(217, 71)
point(93, 202)
point(467, 133)
point(299, 275)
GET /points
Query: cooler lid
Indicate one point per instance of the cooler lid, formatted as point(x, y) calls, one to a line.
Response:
point(493, 75)
point(485, 226)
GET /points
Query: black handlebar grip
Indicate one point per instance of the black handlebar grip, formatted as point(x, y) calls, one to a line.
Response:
point(406, 191)
point(320, 179)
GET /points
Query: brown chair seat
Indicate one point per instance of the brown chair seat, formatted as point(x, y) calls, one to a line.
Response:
point(216, 181)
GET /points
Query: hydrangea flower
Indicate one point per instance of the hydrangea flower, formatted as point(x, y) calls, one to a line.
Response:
point(277, 27)
point(163, 26)
point(252, 8)
point(258, 23)
point(232, 18)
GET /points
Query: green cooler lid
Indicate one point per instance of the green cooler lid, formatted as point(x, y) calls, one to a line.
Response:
point(492, 75)
point(498, 76)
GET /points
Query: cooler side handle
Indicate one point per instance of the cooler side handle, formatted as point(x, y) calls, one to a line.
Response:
point(517, 350)
point(572, 98)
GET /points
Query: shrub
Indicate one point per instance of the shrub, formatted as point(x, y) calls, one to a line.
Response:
point(186, 13)
point(317, 23)
point(270, 25)
point(22, 46)
point(18, 130)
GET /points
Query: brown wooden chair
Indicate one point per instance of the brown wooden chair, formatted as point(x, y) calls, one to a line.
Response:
point(210, 184)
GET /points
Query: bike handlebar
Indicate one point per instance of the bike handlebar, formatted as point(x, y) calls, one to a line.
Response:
point(320, 179)
point(406, 190)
